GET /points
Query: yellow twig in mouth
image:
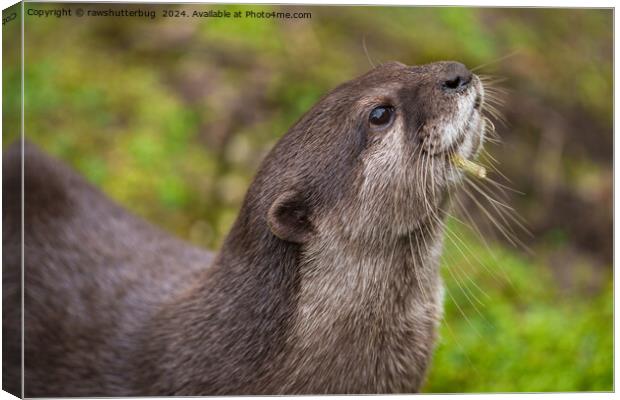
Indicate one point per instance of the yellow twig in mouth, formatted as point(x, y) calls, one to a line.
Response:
point(469, 166)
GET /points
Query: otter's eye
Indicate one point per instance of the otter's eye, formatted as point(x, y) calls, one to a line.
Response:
point(381, 115)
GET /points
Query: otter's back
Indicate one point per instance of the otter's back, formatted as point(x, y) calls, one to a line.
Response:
point(93, 275)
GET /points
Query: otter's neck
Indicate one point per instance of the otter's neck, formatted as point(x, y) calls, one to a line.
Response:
point(366, 315)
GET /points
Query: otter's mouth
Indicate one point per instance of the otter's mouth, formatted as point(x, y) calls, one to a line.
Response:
point(454, 147)
point(467, 143)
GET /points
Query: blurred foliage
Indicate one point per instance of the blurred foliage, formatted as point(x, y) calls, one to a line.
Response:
point(509, 327)
point(171, 118)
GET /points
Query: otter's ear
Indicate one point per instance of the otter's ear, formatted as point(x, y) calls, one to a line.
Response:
point(289, 218)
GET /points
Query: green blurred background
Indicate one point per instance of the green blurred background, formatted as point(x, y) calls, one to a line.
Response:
point(171, 117)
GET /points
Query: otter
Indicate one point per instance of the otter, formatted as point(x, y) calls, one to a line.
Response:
point(328, 281)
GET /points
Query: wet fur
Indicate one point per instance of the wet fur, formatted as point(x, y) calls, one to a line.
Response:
point(327, 282)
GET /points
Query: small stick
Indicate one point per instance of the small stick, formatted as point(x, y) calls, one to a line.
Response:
point(469, 166)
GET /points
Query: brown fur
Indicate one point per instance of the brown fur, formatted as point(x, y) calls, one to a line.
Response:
point(327, 282)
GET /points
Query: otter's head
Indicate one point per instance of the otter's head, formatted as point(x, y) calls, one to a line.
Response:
point(372, 158)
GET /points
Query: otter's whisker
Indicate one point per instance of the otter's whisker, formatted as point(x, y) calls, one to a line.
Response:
point(491, 139)
point(457, 282)
point(502, 58)
point(487, 158)
point(474, 226)
point(489, 130)
point(427, 205)
point(416, 267)
point(464, 315)
point(495, 114)
point(451, 234)
point(433, 182)
point(511, 211)
point(488, 214)
point(465, 290)
point(461, 286)
point(372, 64)
point(416, 272)
point(503, 188)
point(509, 235)
point(491, 79)
point(504, 214)
point(460, 346)
point(487, 195)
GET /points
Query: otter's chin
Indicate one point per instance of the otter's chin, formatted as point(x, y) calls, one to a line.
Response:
point(473, 140)
point(467, 148)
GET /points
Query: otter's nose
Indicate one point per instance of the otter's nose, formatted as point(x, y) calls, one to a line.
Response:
point(455, 76)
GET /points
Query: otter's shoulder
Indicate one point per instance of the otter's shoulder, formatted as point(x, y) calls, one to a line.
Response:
point(46, 182)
